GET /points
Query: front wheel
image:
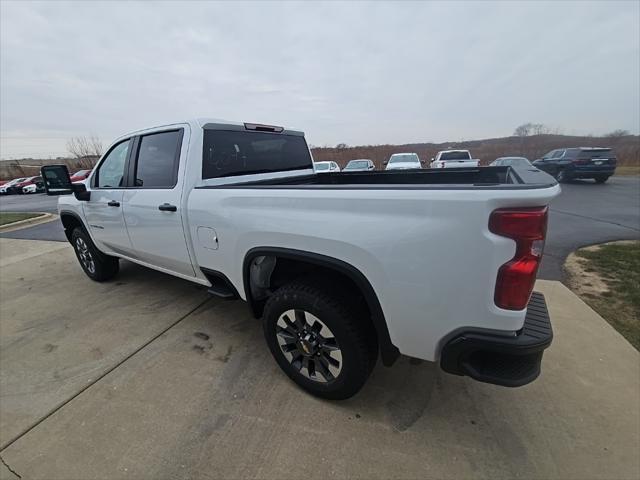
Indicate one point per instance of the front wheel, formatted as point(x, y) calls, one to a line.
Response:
point(319, 339)
point(561, 176)
point(96, 265)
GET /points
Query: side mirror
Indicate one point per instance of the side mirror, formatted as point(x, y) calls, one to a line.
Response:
point(80, 191)
point(432, 159)
point(56, 180)
point(385, 162)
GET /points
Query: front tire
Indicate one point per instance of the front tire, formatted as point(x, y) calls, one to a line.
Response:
point(96, 265)
point(561, 176)
point(319, 339)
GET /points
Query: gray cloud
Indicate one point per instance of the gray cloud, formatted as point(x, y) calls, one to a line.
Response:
point(360, 73)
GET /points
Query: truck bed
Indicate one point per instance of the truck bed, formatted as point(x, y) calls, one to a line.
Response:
point(459, 178)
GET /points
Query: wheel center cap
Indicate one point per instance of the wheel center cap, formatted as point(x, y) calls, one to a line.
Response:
point(308, 344)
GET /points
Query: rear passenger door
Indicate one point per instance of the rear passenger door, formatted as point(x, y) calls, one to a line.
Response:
point(152, 203)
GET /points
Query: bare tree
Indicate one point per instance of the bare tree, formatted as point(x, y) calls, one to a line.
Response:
point(83, 147)
point(539, 129)
point(342, 145)
point(618, 133)
point(523, 130)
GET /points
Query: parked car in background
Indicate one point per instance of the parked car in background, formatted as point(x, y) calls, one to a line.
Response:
point(511, 162)
point(326, 167)
point(454, 159)
point(36, 187)
point(5, 189)
point(566, 164)
point(360, 165)
point(80, 175)
point(403, 161)
point(17, 187)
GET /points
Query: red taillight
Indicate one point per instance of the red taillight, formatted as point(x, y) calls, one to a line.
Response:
point(581, 162)
point(528, 227)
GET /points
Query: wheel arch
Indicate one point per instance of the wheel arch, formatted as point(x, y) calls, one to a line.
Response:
point(388, 352)
point(71, 220)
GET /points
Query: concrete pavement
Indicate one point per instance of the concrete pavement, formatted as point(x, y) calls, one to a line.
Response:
point(144, 377)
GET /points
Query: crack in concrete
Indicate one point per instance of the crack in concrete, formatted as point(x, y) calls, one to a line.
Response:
point(9, 468)
point(596, 219)
point(100, 377)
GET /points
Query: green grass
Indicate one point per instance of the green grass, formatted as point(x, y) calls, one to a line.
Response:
point(619, 267)
point(10, 217)
point(628, 170)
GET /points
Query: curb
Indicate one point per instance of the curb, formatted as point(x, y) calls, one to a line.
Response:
point(29, 222)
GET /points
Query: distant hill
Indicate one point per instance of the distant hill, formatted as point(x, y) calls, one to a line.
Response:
point(627, 148)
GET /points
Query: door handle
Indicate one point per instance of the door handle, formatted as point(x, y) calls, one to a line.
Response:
point(167, 207)
point(113, 203)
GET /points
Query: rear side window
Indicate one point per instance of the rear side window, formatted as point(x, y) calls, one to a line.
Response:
point(158, 160)
point(226, 153)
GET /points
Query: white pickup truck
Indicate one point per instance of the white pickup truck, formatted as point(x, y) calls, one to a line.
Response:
point(453, 159)
point(342, 268)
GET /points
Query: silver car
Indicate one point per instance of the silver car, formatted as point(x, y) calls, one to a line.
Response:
point(359, 165)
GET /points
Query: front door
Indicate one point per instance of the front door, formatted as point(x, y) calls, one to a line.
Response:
point(153, 208)
point(104, 212)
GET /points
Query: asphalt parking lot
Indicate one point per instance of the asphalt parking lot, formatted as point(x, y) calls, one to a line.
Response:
point(583, 214)
point(148, 377)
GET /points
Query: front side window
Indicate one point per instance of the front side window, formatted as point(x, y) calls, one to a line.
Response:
point(111, 171)
point(227, 153)
point(158, 160)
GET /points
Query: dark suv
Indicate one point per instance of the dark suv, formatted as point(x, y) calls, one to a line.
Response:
point(585, 162)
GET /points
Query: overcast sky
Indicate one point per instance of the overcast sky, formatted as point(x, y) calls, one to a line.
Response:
point(358, 73)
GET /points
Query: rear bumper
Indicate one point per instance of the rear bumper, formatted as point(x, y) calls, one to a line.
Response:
point(507, 361)
point(591, 171)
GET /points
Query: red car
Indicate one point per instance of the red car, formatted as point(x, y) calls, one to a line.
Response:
point(80, 175)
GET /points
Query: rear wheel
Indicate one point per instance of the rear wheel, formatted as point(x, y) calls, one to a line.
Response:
point(96, 265)
point(601, 178)
point(318, 339)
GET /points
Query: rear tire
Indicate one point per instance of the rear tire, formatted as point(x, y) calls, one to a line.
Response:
point(319, 339)
point(96, 265)
point(601, 178)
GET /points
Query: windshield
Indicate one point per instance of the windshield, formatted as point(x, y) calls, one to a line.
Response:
point(515, 161)
point(596, 153)
point(322, 166)
point(455, 156)
point(357, 164)
point(404, 158)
